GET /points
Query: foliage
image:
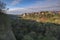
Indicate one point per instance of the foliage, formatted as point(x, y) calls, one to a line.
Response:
point(2, 5)
point(32, 30)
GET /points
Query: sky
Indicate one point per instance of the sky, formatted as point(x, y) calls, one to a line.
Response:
point(27, 6)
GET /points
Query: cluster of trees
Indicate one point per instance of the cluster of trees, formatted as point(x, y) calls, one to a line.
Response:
point(3, 8)
point(2, 5)
point(40, 14)
point(32, 30)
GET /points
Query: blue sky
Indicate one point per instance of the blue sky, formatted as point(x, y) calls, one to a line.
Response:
point(23, 6)
point(20, 3)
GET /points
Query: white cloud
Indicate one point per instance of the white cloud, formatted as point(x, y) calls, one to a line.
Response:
point(49, 5)
point(29, 10)
point(14, 2)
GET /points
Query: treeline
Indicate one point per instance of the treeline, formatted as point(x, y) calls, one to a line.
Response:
point(43, 16)
point(42, 13)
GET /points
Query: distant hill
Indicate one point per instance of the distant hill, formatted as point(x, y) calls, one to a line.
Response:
point(43, 16)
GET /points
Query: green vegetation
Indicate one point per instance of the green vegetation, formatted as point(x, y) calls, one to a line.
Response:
point(27, 29)
point(43, 25)
point(34, 26)
point(37, 26)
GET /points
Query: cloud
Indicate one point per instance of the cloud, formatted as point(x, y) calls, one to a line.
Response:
point(46, 3)
point(50, 5)
point(14, 2)
point(17, 10)
point(29, 10)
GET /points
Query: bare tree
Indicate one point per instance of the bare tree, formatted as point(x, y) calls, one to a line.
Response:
point(2, 7)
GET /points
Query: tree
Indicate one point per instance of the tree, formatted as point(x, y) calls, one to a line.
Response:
point(2, 5)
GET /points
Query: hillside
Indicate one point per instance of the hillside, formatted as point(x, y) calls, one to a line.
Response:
point(33, 30)
point(43, 16)
point(27, 28)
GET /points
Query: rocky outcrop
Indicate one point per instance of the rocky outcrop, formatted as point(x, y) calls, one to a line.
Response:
point(5, 28)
